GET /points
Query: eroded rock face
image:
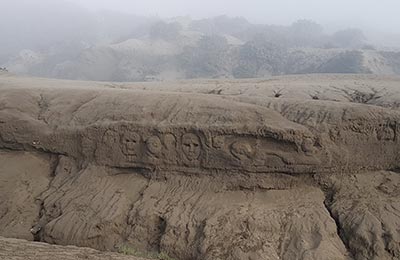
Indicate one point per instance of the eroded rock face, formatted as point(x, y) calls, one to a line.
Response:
point(367, 208)
point(23, 177)
point(263, 141)
point(198, 176)
point(190, 217)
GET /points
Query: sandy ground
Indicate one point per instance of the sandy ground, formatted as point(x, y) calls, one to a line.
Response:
point(295, 167)
point(15, 249)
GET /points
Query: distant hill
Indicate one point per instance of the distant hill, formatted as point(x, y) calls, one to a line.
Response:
point(220, 47)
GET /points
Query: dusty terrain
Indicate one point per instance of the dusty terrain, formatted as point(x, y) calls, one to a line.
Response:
point(295, 167)
point(15, 249)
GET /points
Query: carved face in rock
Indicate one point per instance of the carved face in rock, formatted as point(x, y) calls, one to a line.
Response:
point(170, 141)
point(191, 146)
point(218, 142)
point(386, 134)
point(154, 145)
point(242, 150)
point(110, 137)
point(131, 143)
point(308, 146)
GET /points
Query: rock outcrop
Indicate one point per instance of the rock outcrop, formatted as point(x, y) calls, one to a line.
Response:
point(204, 170)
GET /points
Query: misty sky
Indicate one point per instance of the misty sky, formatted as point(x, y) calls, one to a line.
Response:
point(380, 15)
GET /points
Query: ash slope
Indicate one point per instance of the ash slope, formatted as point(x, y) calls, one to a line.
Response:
point(300, 167)
point(15, 249)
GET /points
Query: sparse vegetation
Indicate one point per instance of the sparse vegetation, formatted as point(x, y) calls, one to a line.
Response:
point(209, 58)
point(349, 38)
point(278, 93)
point(315, 97)
point(258, 58)
point(129, 250)
point(345, 62)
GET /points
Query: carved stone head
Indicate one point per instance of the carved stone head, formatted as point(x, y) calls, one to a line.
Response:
point(154, 146)
point(242, 150)
point(131, 143)
point(191, 146)
point(386, 133)
point(218, 142)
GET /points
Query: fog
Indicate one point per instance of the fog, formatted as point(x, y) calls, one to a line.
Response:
point(379, 15)
point(125, 40)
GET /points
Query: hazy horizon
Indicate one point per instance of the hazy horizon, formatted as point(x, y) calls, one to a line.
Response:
point(333, 15)
point(144, 40)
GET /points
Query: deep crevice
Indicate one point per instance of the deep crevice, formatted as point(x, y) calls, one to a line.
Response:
point(162, 226)
point(340, 232)
point(38, 229)
point(396, 170)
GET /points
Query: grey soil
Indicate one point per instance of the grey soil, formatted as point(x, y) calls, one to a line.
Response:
point(204, 169)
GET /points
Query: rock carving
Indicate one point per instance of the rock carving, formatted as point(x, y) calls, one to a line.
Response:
point(191, 146)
